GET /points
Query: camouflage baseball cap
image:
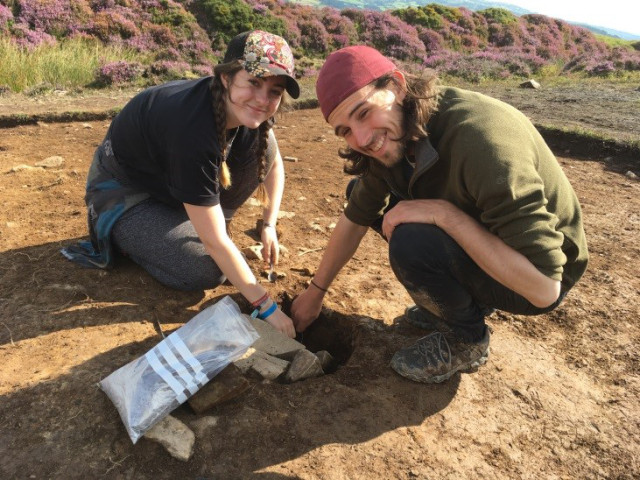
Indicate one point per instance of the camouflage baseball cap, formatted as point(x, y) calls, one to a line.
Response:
point(264, 54)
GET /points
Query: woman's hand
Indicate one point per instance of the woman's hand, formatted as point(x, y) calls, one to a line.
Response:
point(270, 247)
point(281, 322)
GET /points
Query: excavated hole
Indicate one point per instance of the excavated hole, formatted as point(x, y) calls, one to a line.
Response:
point(332, 331)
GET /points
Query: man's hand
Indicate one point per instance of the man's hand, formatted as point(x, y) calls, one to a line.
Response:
point(416, 211)
point(306, 308)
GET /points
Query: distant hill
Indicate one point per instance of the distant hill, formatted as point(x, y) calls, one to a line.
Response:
point(610, 32)
point(474, 5)
point(181, 38)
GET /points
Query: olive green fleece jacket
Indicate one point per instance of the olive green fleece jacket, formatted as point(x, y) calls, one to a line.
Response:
point(487, 158)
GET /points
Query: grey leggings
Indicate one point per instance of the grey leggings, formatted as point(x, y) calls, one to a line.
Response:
point(162, 240)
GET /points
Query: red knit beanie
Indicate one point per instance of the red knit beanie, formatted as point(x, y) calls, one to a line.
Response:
point(346, 71)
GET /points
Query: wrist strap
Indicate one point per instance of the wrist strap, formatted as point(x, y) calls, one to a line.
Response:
point(261, 300)
point(268, 312)
point(266, 224)
point(318, 286)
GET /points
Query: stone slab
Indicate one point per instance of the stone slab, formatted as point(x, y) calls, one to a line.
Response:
point(263, 364)
point(227, 385)
point(273, 342)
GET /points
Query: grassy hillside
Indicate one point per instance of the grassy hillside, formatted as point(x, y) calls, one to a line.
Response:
point(111, 42)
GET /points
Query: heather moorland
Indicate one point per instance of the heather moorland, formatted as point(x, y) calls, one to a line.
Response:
point(559, 396)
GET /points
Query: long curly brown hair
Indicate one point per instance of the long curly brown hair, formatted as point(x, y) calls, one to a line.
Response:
point(418, 106)
point(220, 96)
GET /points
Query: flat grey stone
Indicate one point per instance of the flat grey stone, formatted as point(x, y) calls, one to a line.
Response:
point(274, 342)
point(304, 365)
point(225, 386)
point(51, 162)
point(173, 435)
point(263, 364)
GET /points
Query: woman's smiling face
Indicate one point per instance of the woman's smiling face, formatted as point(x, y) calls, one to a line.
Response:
point(251, 100)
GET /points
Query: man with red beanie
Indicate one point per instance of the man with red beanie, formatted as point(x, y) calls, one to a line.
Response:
point(477, 212)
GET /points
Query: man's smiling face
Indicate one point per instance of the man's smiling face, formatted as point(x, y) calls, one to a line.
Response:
point(370, 120)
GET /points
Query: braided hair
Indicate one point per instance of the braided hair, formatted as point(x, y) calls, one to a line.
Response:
point(220, 97)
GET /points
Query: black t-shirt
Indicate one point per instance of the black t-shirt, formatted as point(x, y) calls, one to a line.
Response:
point(165, 139)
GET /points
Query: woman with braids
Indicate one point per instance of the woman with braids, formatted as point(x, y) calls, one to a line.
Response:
point(177, 162)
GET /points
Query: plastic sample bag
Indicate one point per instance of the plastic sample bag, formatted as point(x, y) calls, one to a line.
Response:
point(147, 389)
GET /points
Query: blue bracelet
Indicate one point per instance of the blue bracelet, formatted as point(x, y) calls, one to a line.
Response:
point(268, 312)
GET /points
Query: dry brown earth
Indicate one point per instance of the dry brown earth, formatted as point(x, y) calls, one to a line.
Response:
point(559, 397)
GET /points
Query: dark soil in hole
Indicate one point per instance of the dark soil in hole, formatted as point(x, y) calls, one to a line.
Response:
point(334, 332)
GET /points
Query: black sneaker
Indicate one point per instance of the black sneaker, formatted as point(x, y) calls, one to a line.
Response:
point(423, 318)
point(436, 357)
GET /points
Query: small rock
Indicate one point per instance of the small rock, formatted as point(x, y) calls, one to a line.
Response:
point(305, 271)
point(22, 167)
point(254, 202)
point(87, 125)
point(332, 225)
point(173, 435)
point(51, 162)
point(302, 199)
point(276, 274)
point(204, 424)
point(290, 159)
point(253, 252)
point(284, 251)
point(304, 365)
point(11, 224)
point(530, 84)
point(42, 124)
point(631, 175)
point(283, 214)
point(326, 361)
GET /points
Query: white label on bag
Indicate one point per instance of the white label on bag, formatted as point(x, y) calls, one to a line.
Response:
point(185, 353)
point(160, 369)
point(178, 367)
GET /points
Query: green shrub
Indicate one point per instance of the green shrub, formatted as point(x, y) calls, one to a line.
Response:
point(223, 19)
point(499, 15)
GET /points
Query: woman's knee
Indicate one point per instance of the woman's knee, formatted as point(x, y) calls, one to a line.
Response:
point(195, 281)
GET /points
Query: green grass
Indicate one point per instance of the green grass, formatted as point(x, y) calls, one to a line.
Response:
point(69, 64)
point(616, 42)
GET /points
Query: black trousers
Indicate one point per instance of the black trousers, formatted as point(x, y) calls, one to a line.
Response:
point(441, 277)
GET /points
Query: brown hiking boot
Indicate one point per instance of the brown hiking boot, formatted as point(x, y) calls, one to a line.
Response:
point(437, 357)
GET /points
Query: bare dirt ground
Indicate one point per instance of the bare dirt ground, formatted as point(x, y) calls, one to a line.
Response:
point(558, 399)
